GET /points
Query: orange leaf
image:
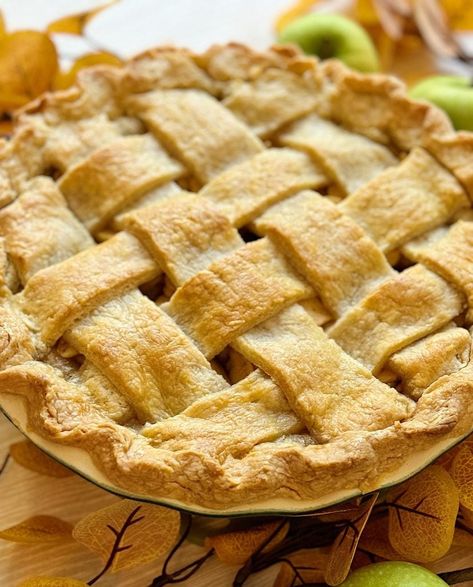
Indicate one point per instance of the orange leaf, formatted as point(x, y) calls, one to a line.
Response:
point(365, 12)
point(300, 8)
point(28, 63)
point(6, 128)
point(26, 454)
point(235, 548)
point(426, 534)
point(446, 459)
point(3, 28)
point(52, 582)
point(38, 529)
point(344, 548)
point(462, 474)
point(142, 532)
point(460, 14)
point(64, 80)
point(375, 539)
point(74, 24)
point(310, 565)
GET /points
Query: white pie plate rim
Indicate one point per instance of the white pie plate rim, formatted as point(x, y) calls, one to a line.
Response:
point(80, 462)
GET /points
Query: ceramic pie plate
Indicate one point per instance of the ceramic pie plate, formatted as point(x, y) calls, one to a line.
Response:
point(79, 461)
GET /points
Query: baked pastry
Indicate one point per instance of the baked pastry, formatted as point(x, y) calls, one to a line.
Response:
point(237, 276)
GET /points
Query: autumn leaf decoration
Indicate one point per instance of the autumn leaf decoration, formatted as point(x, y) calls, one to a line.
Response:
point(38, 530)
point(344, 547)
point(29, 64)
point(52, 582)
point(73, 24)
point(420, 520)
point(408, 33)
point(128, 534)
point(427, 537)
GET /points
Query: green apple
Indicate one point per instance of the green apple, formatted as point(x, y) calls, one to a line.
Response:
point(393, 574)
point(332, 35)
point(452, 93)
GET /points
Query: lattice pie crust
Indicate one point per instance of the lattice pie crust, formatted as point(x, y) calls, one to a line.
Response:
point(236, 276)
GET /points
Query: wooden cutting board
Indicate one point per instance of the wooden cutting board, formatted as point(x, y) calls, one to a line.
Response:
point(24, 494)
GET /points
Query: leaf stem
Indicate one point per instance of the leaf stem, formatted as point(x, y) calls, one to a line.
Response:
point(319, 534)
point(166, 578)
point(177, 577)
point(405, 508)
point(178, 545)
point(116, 548)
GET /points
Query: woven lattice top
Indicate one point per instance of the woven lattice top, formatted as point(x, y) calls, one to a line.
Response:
point(237, 276)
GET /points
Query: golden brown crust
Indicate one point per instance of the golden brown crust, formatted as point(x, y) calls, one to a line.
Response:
point(146, 402)
point(295, 471)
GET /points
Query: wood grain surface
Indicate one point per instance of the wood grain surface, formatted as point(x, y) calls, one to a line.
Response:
point(24, 494)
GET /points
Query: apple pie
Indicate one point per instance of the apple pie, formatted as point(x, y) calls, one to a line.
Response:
point(236, 276)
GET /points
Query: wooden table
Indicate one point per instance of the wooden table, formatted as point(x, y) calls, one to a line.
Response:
point(24, 494)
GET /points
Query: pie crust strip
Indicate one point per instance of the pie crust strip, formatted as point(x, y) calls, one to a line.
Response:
point(348, 159)
point(409, 306)
point(196, 129)
point(145, 355)
point(405, 201)
point(59, 295)
point(332, 252)
point(450, 256)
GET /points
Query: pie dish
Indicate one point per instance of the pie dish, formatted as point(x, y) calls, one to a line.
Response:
point(236, 276)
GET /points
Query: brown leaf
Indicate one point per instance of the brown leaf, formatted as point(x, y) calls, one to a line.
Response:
point(462, 537)
point(310, 565)
point(52, 582)
point(412, 60)
point(235, 548)
point(344, 548)
point(26, 454)
point(393, 15)
point(28, 63)
point(423, 515)
point(137, 532)
point(38, 530)
point(361, 559)
point(467, 517)
point(6, 128)
point(375, 539)
point(64, 80)
point(432, 23)
point(336, 513)
point(462, 473)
